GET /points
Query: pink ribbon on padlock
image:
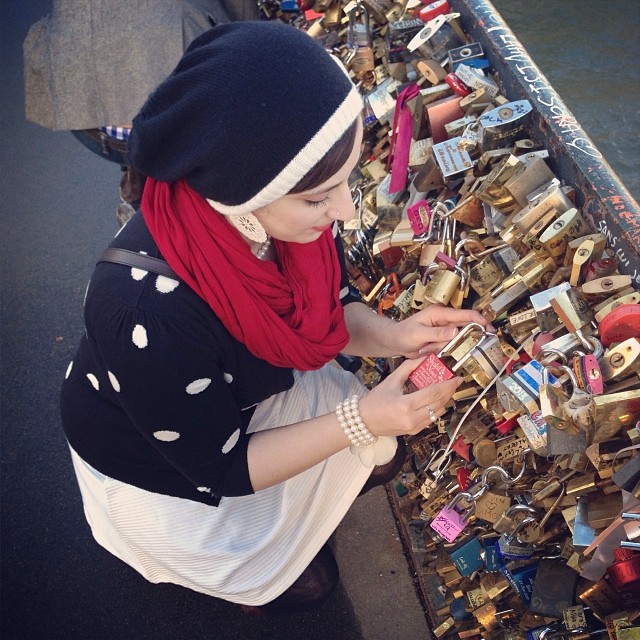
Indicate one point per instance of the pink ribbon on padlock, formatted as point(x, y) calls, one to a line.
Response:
point(401, 139)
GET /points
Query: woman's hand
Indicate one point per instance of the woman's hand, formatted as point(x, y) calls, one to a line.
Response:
point(388, 411)
point(430, 329)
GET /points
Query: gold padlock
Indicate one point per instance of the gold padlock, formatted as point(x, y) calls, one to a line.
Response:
point(442, 286)
point(556, 236)
point(621, 361)
point(361, 58)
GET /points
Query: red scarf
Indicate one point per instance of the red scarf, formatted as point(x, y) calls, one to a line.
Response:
point(288, 314)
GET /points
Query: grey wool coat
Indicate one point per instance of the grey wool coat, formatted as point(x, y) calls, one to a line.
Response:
point(92, 63)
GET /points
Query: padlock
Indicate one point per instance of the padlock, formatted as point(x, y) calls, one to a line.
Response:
point(504, 124)
point(443, 284)
point(492, 189)
point(432, 369)
point(491, 506)
point(514, 397)
point(507, 522)
point(588, 373)
point(572, 308)
point(552, 198)
point(485, 275)
point(509, 548)
point(535, 530)
point(568, 226)
point(484, 361)
point(571, 413)
point(621, 361)
point(620, 324)
point(603, 287)
point(360, 42)
point(531, 238)
point(545, 314)
point(614, 411)
point(437, 239)
point(449, 523)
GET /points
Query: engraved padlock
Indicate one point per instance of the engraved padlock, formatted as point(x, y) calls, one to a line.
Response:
point(507, 522)
point(568, 226)
point(509, 548)
point(449, 523)
point(432, 369)
point(504, 124)
point(361, 58)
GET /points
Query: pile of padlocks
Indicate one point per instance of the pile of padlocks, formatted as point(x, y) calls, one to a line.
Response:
point(522, 509)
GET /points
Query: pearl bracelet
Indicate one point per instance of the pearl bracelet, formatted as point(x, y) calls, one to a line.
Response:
point(351, 423)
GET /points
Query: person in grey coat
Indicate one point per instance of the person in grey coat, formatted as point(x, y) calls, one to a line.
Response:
point(89, 67)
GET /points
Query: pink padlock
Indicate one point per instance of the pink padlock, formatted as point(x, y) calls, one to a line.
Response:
point(419, 215)
point(449, 523)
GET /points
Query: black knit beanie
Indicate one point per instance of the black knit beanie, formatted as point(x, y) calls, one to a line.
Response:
point(250, 109)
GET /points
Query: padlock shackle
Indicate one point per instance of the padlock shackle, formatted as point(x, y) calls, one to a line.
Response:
point(469, 498)
point(458, 338)
point(486, 335)
point(593, 345)
point(562, 368)
point(546, 351)
point(495, 468)
point(520, 526)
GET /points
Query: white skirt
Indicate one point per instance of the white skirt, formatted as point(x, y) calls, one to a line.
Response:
point(249, 549)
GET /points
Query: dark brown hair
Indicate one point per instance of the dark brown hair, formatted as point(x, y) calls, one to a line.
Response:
point(331, 163)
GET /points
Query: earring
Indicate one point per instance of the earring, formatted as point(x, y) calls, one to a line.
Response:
point(249, 226)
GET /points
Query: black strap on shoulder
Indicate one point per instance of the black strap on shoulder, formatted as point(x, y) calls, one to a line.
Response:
point(138, 260)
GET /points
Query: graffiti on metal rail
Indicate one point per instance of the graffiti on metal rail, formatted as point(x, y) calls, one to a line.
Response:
point(539, 88)
point(613, 241)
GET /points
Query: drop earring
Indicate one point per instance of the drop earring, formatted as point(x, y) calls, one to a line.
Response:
point(248, 225)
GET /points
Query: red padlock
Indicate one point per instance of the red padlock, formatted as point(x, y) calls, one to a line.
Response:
point(620, 324)
point(462, 476)
point(433, 10)
point(457, 86)
point(624, 573)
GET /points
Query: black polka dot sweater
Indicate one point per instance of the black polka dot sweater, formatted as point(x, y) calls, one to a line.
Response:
point(159, 394)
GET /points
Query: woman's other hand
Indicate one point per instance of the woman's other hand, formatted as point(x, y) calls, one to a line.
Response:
point(430, 329)
point(387, 410)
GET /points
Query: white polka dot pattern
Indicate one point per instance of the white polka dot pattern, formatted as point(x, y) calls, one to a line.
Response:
point(114, 381)
point(138, 274)
point(166, 435)
point(231, 442)
point(94, 381)
point(228, 378)
point(198, 386)
point(139, 336)
point(166, 285)
point(68, 373)
point(204, 489)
